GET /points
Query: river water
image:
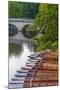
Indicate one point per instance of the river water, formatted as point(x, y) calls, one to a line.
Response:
point(18, 56)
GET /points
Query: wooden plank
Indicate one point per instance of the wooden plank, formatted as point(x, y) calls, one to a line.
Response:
point(40, 81)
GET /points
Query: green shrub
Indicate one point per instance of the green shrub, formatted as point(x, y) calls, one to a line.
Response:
point(55, 45)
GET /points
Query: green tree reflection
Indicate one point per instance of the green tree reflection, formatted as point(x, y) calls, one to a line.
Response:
point(15, 49)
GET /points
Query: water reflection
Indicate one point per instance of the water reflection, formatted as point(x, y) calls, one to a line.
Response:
point(18, 56)
point(15, 49)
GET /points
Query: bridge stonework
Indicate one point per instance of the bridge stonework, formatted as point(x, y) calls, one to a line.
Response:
point(20, 23)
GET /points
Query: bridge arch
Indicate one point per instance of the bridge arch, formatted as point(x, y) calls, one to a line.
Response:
point(12, 30)
point(20, 25)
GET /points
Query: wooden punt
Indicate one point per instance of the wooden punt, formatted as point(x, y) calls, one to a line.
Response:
point(35, 60)
point(44, 69)
point(41, 68)
point(40, 83)
point(33, 64)
point(50, 65)
point(16, 82)
point(32, 57)
point(26, 68)
point(36, 81)
point(38, 58)
point(20, 74)
point(22, 71)
point(32, 60)
point(28, 75)
point(35, 54)
point(15, 86)
point(18, 78)
point(30, 65)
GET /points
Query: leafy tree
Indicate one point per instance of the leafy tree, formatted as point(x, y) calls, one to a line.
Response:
point(47, 21)
point(22, 9)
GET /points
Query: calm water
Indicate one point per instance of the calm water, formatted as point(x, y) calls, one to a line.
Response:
point(18, 56)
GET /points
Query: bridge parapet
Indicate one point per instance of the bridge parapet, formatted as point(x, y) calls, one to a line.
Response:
point(20, 20)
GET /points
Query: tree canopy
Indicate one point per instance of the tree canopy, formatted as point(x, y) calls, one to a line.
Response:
point(22, 9)
point(47, 20)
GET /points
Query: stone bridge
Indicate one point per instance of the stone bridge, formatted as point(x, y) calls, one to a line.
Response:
point(19, 22)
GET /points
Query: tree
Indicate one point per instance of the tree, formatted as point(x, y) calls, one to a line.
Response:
point(48, 18)
point(22, 9)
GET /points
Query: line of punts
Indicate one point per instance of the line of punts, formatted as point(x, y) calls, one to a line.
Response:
point(18, 80)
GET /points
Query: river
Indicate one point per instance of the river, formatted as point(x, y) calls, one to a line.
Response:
point(18, 56)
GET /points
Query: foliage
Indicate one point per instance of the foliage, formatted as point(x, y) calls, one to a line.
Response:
point(47, 23)
point(55, 45)
point(31, 31)
point(22, 9)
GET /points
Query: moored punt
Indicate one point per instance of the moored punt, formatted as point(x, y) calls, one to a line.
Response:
point(50, 65)
point(35, 63)
point(40, 83)
point(18, 78)
point(20, 74)
point(32, 57)
point(35, 54)
point(28, 75)
point(40, 73)
point(15, 86)
point(40, 68)
point(35, 59)
point(26, 68)
point(50, 55)
point(16, 82)
point(32, 60)
point(38, 58)
point(45, 68)
point(36, 81)
point(22, 71)
point(30, 65)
